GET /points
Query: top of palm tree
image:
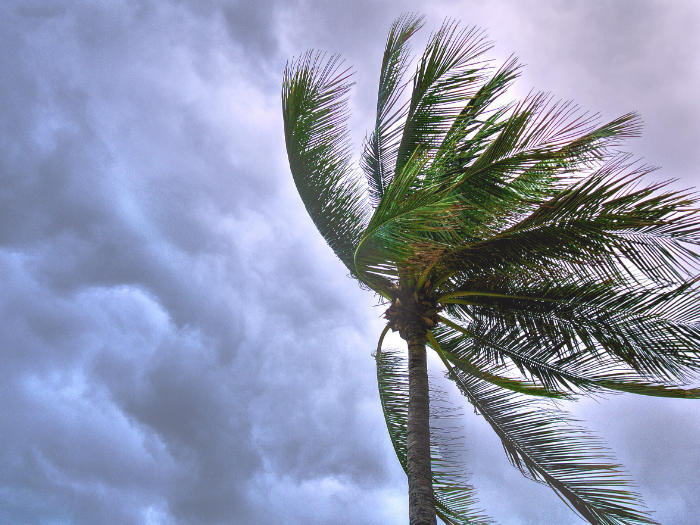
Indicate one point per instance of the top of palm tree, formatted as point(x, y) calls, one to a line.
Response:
point(528, 246)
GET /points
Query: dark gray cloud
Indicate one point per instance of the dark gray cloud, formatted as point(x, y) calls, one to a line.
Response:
point(178, 344)
point(161, 304)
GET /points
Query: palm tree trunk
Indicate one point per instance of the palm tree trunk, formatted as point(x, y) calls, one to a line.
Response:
point(421, 506)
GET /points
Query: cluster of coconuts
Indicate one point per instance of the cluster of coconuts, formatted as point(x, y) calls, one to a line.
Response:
point(411, 309)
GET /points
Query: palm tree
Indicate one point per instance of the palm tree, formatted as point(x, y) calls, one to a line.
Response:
point(518, 243)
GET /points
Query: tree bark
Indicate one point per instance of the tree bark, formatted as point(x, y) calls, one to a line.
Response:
point(421, 506)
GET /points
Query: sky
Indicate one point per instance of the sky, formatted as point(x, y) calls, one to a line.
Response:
point(178, 344)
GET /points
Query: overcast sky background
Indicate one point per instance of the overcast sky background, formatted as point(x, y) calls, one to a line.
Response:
point(178, 345)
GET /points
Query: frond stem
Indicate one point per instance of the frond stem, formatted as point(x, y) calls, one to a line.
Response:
point(447, 298)
point(381, 340)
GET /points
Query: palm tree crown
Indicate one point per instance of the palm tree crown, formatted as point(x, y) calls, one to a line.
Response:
point(516, 241)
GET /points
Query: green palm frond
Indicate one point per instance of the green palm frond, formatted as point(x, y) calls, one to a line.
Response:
point(406, 224)
point(314, 108)
point(455, 500)
point(550, 361)
point(489, 371)
point(448, 73)
point(491, 205)
point(550, 448)
point(538, 130)
point(381, 148)
point(603, 225)
point(536, 152)
point(477, 121)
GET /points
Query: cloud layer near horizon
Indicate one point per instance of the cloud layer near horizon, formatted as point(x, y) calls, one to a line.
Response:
point(178, 344)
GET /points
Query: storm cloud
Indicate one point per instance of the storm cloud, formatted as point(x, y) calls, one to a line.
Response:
point(178, 344)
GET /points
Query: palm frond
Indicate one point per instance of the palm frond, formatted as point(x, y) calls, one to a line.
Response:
point(488, 371)
point(569, 361)
point(314, 108)
point(447, 74)
point(405, 224)
point(496, 202)
point(535, 153)
point(381, 148)
point(475, 120)
point(603, 224)
point(455, 500)
point(550, 448)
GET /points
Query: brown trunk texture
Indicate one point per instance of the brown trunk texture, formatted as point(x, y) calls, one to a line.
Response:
point(421, 507)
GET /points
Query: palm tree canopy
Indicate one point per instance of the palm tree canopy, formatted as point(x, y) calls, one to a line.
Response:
point(533, 251)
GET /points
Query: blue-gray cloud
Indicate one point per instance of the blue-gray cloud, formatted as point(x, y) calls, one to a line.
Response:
point(178, 344)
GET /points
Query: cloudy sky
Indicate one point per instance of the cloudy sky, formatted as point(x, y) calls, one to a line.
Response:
point(178, 345)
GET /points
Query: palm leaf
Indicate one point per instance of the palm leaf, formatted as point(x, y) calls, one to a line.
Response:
point(532, 157)
point(447, 73)
point(314, 108)
point(405, 224)
point(604, 225)
point(550, 448)
point(584, 368)
point(488, 371)
point(381, 148)
point(454, 496)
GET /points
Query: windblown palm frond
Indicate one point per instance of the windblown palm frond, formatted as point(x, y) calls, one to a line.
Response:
point(455, 500)
point(485, 344)
point(314, 108)
point(603, 224)
point(448, 73)
point(381, 148)
point(548, 447)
